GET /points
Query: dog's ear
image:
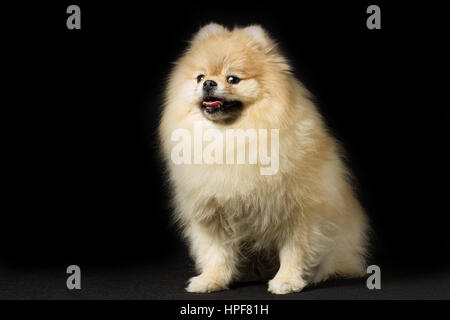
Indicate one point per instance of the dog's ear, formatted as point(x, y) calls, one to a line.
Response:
point(209, 30)
point(257, 33)
point(260, 37)
point(261, 40)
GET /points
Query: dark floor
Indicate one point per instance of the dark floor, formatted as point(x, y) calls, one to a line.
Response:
point(147, 281)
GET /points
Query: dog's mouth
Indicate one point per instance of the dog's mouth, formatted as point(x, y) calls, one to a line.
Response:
point(219, 109)
point(212, 104)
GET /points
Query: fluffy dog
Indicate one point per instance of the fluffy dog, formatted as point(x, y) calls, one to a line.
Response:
point(303, 222)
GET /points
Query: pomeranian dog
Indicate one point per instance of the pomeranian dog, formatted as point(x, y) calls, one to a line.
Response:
point(300, 223)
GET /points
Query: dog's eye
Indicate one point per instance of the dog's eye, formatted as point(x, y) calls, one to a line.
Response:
point(200, 77)
point(233, 79)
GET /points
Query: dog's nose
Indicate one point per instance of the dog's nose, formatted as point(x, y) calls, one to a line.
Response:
point(208, 85)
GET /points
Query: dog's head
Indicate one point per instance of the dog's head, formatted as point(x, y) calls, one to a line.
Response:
point(223, 72)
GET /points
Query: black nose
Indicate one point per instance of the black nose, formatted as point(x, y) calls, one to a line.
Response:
point(209, 85)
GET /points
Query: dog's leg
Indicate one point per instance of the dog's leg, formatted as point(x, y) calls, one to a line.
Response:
point(214, 256)
point(289, 277)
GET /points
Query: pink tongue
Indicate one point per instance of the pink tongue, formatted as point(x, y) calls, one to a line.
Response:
point(212, 103)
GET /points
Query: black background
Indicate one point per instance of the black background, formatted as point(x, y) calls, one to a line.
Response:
point(81, 177)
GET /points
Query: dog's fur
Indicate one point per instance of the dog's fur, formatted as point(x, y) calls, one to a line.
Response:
point(305, 220)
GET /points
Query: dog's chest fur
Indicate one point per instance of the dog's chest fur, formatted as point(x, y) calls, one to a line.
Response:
point(244, 205)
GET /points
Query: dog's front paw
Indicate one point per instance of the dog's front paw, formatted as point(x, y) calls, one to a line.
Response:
point(204, 284)
point(283, 286)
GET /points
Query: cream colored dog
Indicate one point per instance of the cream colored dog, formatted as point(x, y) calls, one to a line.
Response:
point(304, 219)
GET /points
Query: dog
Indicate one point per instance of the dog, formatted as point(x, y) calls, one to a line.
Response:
point(302, 223)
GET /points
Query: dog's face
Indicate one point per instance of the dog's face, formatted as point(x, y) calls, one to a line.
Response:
point(226, 71)
point(219, 99)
